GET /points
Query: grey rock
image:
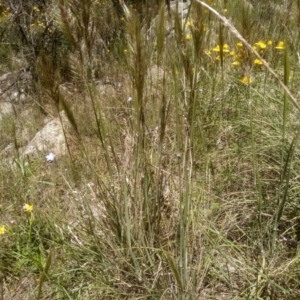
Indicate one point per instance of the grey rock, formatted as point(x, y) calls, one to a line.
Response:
point(6, 108)
point(49, 139)
point(15, 85)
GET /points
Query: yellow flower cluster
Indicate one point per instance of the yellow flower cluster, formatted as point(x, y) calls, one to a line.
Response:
point(240, 54)
point(5, 15)
point(211, 2)
point(27, 208)
point(38, 24)
point(102, 2)
point(218, 48)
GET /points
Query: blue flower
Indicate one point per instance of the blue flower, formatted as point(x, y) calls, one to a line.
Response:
point(50, 156)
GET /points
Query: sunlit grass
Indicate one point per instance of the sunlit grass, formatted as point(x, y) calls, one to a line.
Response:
point(181, 175)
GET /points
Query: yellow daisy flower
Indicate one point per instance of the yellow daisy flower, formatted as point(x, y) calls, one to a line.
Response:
point(226, 48)
point(28, 208)
point(2, 230)
point(188, 37)
point(207, 52)
point(280, 46)
point(261, 45)
point(258, 62)
point(246, 80)
point(217, 48)
point(188, 24)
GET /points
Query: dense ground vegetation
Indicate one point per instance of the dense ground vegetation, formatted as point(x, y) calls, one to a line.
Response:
point(181, 176)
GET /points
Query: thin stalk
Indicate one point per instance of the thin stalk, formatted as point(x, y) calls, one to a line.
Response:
point(285, 98)
point(44, 274)
point(286, 172)
point(256, 173)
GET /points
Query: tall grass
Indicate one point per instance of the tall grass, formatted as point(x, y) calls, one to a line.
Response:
point(181, 181)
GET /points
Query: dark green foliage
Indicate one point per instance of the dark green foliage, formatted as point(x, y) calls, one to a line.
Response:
point(32, 31)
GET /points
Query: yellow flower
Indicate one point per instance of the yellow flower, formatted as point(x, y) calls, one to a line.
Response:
point(217, 48)
point(261, 45)
point(280, 46)
point(188, 37)
point(188, 24)
point(207, 52)
point(232, 53)
point(28, 208)
point(258, 62)
point(247, 80)
point(225, 48)
point(269, 43)
point(239, 44)
point(236, 63)
point(2, 230)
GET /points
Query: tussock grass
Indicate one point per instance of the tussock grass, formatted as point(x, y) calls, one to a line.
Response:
point(181, 179)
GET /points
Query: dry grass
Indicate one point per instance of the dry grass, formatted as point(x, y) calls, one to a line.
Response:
point(181, 179)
